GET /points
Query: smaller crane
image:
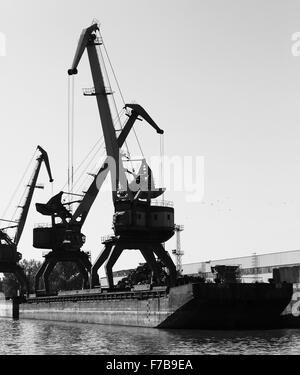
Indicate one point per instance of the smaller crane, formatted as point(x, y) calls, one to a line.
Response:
point(178, 252)
point(9, 256)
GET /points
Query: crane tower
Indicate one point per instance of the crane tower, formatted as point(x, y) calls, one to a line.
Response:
point(178, 252)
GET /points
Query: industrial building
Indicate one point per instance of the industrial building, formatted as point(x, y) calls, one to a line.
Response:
point(255, 267)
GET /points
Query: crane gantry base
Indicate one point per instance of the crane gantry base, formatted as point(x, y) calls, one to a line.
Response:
point(80, 258)
point(114, 247)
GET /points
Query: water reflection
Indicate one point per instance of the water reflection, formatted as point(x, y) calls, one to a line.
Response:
point(44, 337)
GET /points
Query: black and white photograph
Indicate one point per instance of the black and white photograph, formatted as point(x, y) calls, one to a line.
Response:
point(150, 181)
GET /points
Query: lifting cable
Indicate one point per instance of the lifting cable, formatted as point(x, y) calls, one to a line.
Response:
point(89, 154)
point(18, 186)
point(162, 153)
point(93, 148)
point(94, 170)
point(86, 158)
point(69, 90)
point(71, 85)
point(83, 186)
point(84, 171)
point(122, 97)
point(20, 205)
point(101, 58)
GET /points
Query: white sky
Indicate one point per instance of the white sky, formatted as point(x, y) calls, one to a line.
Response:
point(217, 76)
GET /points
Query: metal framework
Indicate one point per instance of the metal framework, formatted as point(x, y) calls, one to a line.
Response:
point(129, 205)
point(64, 237)
point(9, 256)
point(178, 252)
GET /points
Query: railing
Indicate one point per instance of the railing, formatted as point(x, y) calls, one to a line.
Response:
point(98, 41)
point(91, 91)
point(132, 295)
point(162, 203)
point(42, 225)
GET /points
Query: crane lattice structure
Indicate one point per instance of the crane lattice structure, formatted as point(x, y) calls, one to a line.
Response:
point(178, 252)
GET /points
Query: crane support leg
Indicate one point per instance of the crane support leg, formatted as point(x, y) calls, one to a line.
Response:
point(150, 259)
point(21, 277)
point(51, 264)
point(167, 261)
point(18, 272)
point(99, 261)
point(80, 258)
point(84, 260)
point(113, 257)
point(84, 266)
point(84, 273)
point(39, 275)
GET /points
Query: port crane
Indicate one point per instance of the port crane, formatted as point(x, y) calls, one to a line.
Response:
point(9, 256)
point(64, 237)
point(138, 223)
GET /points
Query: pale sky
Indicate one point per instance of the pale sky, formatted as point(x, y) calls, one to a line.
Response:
point(217, 76)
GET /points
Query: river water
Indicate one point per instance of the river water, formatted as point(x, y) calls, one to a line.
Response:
point(45, 337)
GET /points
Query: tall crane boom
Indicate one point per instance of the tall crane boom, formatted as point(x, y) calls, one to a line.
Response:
point(32, 185)
point(88, 41)
point(92, 192)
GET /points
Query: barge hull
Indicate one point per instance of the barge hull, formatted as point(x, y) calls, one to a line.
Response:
point(200, 306)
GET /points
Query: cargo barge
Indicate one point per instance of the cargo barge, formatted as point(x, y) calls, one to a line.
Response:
point(190, 306)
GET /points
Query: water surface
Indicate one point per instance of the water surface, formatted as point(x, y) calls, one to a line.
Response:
point(45, 337)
